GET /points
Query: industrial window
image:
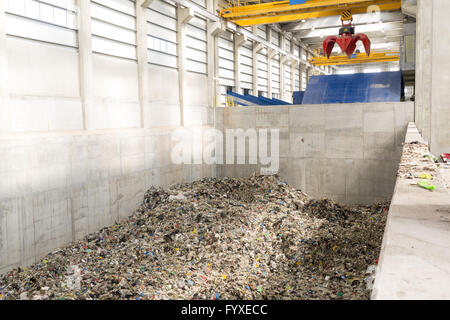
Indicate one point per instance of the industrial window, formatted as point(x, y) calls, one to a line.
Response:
point(287, 45)
point(114, 28)
point(261, 31)
point(304, 80)
point(246, 65)
point(394, 67)
point(162, 34)
point(275, 38)
point(201, 3)
point(275, 69)
point(296, 51)
point(346, 71)
point(246, 91)
point(44, 20)
point(372, 70)
point(162, 45)
point(226, 62)
point(287, 79)
point(262, 70)
point(226, 58)
point(296, 79)
point(196, 46)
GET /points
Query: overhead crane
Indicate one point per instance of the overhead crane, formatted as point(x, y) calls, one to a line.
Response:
point(247, 13)
point(355, 59)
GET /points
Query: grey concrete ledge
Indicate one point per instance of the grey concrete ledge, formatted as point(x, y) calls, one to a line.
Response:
point(415, 255)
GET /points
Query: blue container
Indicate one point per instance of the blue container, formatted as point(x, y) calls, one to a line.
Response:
point(297, 97)
point(354, 88)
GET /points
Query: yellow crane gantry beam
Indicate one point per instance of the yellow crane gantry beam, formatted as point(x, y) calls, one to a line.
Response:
point(360, 58)
point(282, 11)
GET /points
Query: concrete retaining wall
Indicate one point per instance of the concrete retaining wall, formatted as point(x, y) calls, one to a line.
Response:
point(346, 152)
point(57, 188)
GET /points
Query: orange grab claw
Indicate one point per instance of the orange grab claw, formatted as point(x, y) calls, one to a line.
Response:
point(328, 45)
point(346, 41)
point(365, 40)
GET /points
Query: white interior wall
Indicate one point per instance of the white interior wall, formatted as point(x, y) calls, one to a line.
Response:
point(116, 96)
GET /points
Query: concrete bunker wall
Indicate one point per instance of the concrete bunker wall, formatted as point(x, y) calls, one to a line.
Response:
point(58, 188)
point(346, 152)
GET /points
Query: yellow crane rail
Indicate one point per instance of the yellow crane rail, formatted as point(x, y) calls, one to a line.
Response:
point(359, 58)
point(245, 14)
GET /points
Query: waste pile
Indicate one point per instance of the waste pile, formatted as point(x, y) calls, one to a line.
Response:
point(416, 160)
point(420, 166)
point(247, 238)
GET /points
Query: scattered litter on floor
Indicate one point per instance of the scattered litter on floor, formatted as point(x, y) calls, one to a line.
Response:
point(446, 157)
point(417, 162)
point(247, 238)
point(426, 185)
point(425, 175)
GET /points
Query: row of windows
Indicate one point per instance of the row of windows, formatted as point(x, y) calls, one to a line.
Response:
point(49, 21)
point(61, 13)
point(162, 45)
point(162, 37)
point(113, 26)
point(114, 30)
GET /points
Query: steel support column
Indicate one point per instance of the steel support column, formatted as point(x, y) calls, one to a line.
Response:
point(4, 92)
point(86, 62)
point(184, 15)
point(142, 13)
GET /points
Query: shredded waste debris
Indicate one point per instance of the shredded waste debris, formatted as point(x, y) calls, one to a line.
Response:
point(417, 162)
point(246, 238)
point(421, 167)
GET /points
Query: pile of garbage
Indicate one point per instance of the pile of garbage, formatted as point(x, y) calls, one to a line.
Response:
point(416, 159)
point(247, 238)
point(420, 166)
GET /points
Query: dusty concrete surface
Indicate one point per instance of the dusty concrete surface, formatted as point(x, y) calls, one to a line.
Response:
point(415, 255)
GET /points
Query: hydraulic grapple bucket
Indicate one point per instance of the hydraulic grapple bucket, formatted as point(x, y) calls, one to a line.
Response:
point(347, 39)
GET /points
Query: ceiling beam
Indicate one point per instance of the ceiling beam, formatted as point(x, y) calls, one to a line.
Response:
point(282, 11)
point(366, 29)
point(335, 21)
point(356, 59)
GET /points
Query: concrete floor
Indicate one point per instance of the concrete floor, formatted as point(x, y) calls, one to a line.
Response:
point(415, 256)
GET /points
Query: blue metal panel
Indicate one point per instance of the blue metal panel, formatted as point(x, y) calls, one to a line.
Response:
point(280, 102)
point(248, 99)
point(291, 2)
point(268, 101)
point(353, 88)
point(297, 97)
